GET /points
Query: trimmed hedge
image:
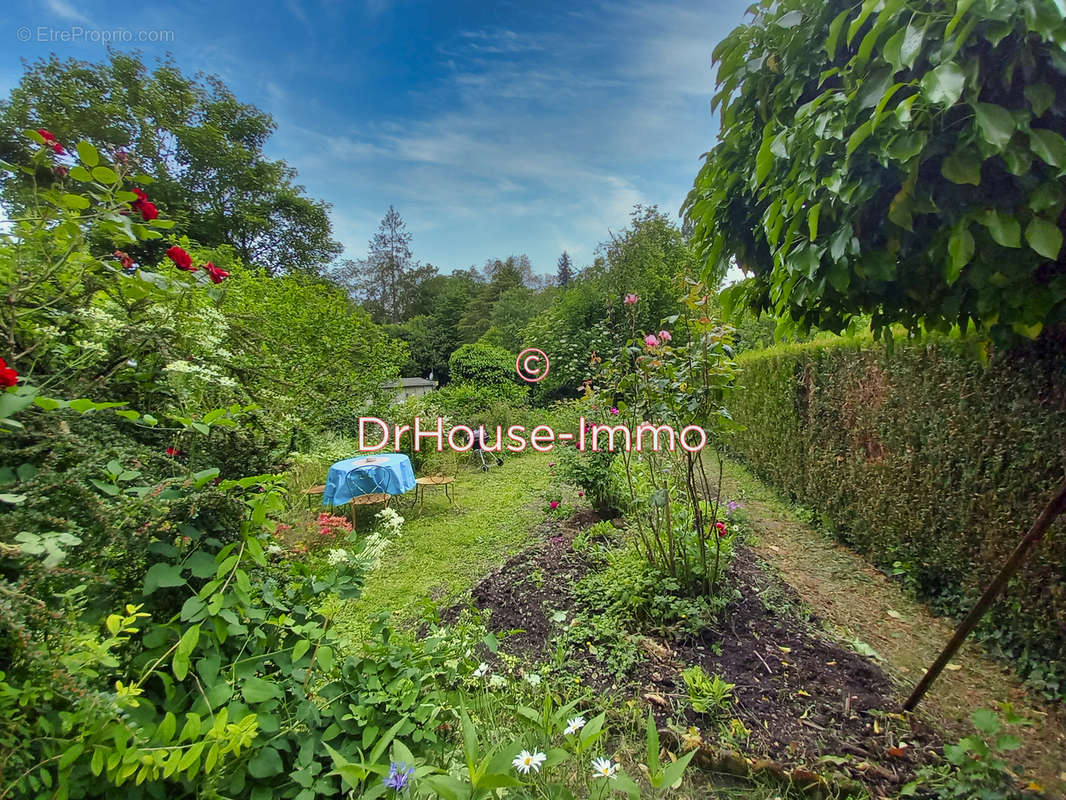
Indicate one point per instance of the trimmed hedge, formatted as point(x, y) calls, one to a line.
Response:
point(930, 464)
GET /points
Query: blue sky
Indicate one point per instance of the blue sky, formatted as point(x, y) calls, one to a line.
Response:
point(493, 129)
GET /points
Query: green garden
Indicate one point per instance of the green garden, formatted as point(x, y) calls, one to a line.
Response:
point(882, 395)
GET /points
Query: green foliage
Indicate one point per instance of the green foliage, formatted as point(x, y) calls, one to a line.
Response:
point(897, 159)
point(669, 389)
point(200, 145)
point(591, 471)
point(630, 594)
point(662, 776)
point(303, 349)
point(573, 332)
point(157, 640)
point(482, 365)
point(976, 765)
point(708, 694)
point(172, 342)
point(470, 403)
point(648, 258)
point(929, 463)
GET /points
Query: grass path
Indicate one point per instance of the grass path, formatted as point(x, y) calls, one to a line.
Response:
point(444, 552)
point(860, 605)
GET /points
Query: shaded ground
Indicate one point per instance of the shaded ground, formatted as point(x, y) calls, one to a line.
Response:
point(860, 605)
point(800, 695)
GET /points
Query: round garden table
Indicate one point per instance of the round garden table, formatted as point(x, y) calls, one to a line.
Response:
point(389, 473)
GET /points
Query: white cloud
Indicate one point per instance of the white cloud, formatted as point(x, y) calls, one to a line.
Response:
point(64, 10)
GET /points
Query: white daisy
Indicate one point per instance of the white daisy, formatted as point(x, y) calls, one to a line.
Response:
point(526, 761)
point(574, 725)
point(482, 670)
point(603, 768)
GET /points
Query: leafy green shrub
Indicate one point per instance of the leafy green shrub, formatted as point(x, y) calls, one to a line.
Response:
point(472, 404)
point(481, 365)
point(591, 471)
point(155, 640)
point(930, 464)
point(637, 595)
point(597, 533)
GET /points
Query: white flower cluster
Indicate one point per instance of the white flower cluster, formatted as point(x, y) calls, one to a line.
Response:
point(91, 347)
point(373, 549)
point(203, 373)
point(391, 521)
point(101, 321)
point(337, 556)
point(378, 542)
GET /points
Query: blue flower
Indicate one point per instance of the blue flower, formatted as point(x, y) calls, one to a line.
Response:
point(399, 775)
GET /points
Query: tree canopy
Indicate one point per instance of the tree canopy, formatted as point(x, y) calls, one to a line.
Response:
point(201, 146)
point(903, 160)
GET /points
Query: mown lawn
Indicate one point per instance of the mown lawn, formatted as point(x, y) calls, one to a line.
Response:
point(443, 553)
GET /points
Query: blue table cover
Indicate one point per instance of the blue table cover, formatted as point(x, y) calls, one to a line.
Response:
point(391, 474)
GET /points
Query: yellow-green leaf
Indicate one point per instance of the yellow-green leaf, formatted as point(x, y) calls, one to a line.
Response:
point(1049, 146)
point(74, 201)
point(995, 124)
point(1044, 237)
point(1004, 228)
point(812, 220)
point(80, 174)
point(88, 154)
point(105, 175)
point(834, 32)
point(962, 167)
point(960, 251)
point(944, 84)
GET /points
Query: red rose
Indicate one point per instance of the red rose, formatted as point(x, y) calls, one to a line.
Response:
point(124, 258)
point(172, 451)
point(50, 141)
point(61, 171)
point(721, 528)
point(147, 209)
point(181, 259)
point(216, 274)
point(8, 376)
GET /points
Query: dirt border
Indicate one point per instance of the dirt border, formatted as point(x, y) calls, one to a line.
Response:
point(859, 603)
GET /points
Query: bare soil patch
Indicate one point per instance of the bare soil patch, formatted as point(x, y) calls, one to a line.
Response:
point(859, 604)
point(801, 695)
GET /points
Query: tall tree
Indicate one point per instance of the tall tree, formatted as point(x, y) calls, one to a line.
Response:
point(565, 272)
point(649, 258)
point(202, 147)
point(389, 259)
point(386, 280)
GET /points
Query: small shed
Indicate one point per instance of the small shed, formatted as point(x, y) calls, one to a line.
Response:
point(410, 387)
